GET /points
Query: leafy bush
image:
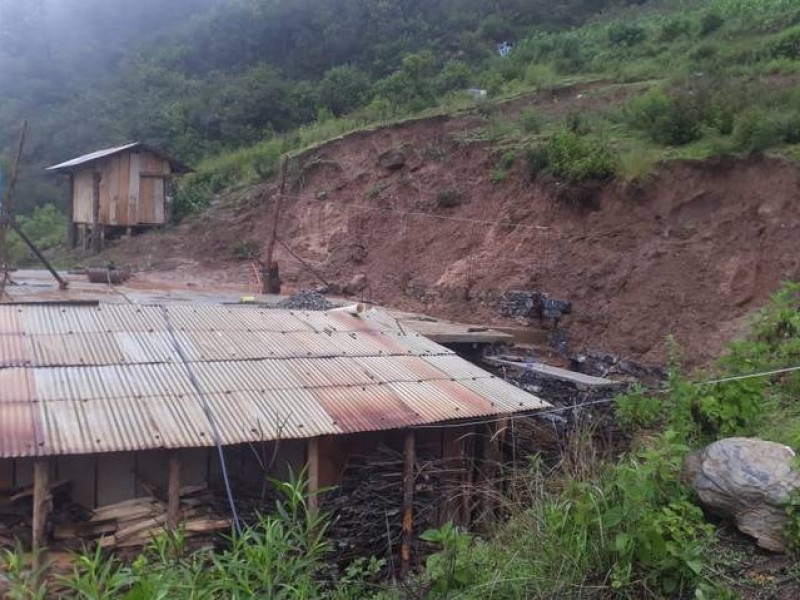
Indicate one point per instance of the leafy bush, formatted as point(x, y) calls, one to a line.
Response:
point(626, 34)
point(448, 197)
point(573, 158)
point(667, 119)
point(756, 131)
point(46, 227)
point(636, 409)
point(710, 22)
point(674, 28)
point(787, 45)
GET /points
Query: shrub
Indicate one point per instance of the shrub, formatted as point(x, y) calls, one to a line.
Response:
point(710, 22)
point(448, 198)
point(787, 45)
point(756, 132)
point(529, 121)
point(626, 34)
point(676, 118)
point(573, 158)
point(674, 28)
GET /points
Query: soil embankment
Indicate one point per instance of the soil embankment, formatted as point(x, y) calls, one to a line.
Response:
point(692, 252)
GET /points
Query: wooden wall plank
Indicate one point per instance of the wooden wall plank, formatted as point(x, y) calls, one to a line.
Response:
point(123, 216)
point(82, 209)
point(134, 183)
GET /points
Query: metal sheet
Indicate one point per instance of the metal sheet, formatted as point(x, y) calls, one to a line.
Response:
point(368, 408)
point(108, 378)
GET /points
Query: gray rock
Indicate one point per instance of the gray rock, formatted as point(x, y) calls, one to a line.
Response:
point(749, 480)
point(392, 160)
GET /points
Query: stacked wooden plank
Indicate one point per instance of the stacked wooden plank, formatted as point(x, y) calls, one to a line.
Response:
point(135, 523)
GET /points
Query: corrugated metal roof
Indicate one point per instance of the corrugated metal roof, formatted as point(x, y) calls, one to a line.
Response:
point(82, 379)
point(99, 154)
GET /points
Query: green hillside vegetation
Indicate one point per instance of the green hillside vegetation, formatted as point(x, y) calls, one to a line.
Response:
point(707, 79)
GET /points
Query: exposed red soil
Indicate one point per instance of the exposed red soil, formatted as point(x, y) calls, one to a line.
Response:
point(690, 253)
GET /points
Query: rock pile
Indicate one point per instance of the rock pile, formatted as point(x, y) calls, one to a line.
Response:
point(533, 305)
point(306, 300)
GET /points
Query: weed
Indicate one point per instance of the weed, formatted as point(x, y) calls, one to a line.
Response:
point(530, 122)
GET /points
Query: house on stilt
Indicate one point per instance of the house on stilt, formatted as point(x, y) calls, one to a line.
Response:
point(117, 190)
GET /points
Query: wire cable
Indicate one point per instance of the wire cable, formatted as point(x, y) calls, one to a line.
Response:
point(422, 214)
point(237, 525)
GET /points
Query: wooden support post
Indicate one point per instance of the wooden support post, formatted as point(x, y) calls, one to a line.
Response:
point(313, 475)
point(272, 283)
point(409, 460)
point(96, 242)
point(42, 502)
point(174, 491)
point(71, 227)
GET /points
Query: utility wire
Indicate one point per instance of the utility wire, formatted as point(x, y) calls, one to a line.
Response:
point(209, 415)
point(555, 410)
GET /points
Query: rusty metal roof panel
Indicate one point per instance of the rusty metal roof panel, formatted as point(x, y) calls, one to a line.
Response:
point(101, 349)
point(329, 372)
point(369, 408)
point(251, 376)
point(507, 397)
point(455, 367)
point(233, 318)
point(439, 401)
point(110, 378)
point(19, 430)
point(273, 415)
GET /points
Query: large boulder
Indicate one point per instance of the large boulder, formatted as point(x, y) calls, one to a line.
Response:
point(749, 480)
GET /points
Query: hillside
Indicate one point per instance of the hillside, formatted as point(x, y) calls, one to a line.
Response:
point(696, 247)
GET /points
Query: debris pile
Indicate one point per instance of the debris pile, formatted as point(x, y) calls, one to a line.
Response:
point(603, 364)
point(366, 507)
point(134, 523)
point(306, 300)
point(523, 304)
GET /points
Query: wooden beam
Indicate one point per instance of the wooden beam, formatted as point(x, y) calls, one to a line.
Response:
point(409, 459)
point(42, 502)
point(174, 491)
point(312, 464)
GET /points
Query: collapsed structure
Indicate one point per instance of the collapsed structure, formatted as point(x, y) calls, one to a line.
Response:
point(118, 400)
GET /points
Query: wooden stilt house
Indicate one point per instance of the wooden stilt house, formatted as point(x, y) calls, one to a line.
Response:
point(124, 188)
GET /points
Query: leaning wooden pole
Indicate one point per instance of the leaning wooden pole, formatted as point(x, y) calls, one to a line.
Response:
point(409, 459)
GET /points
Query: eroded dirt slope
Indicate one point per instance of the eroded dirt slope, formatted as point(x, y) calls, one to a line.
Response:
point(691, 252)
